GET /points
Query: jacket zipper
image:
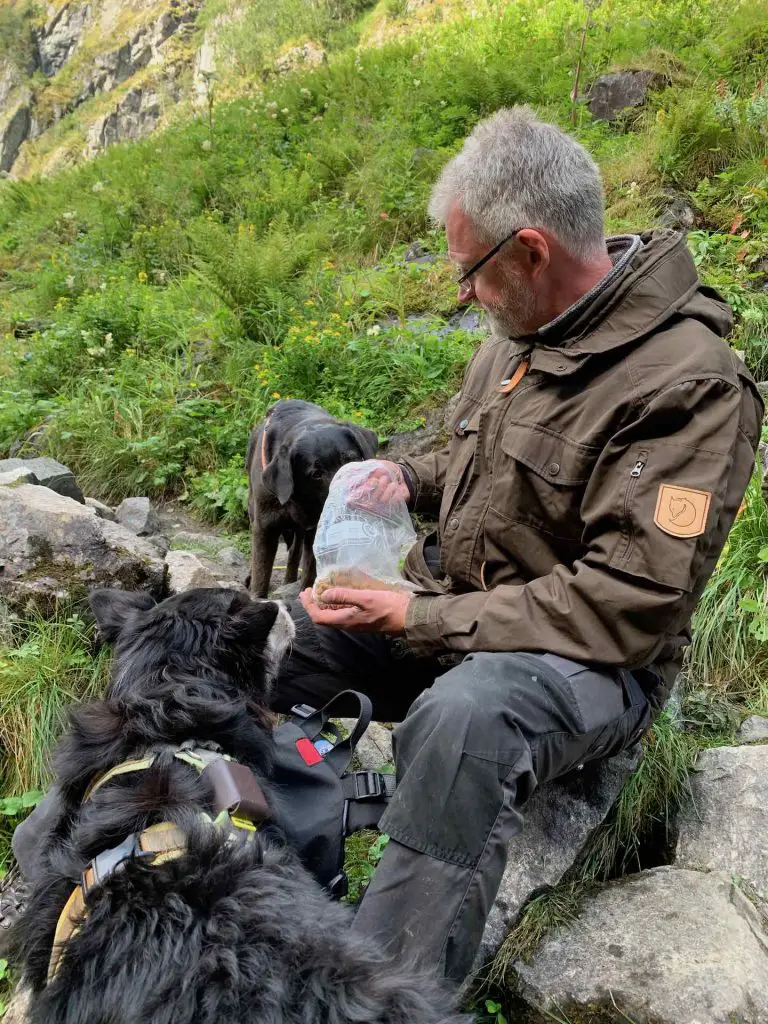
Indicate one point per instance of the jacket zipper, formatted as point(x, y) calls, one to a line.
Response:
point(634, 475)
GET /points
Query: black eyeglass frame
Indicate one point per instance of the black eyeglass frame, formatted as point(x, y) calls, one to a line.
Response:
point(488, 256)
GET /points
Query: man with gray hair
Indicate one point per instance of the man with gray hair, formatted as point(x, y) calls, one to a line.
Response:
point(601, 446)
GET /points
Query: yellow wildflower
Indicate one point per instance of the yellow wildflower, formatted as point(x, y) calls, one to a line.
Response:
point(142, 277)
point(275, 394)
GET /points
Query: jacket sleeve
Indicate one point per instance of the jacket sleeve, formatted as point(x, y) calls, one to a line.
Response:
point(656, 512)
point(426, 475)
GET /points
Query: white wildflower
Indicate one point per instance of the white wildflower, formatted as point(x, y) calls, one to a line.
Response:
point(205, 145)
point(306, 93)
point(285, 110)
point(71, 282)
point(373, 331)
point(98, 187)
point(272, 105)
point(273, 116)
point(68, 215)
point(103, 286)
point(417, 82)
point(443, 103)
point(108, 339)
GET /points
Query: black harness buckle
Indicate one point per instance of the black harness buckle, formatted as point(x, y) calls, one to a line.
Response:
point(368, 785)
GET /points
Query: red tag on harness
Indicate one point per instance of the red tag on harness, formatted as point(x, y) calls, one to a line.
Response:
point(309, 754)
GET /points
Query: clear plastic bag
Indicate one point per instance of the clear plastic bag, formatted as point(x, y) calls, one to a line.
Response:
point(361, 539)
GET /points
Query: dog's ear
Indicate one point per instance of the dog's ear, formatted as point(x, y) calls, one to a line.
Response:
point(366, 441)
point(249, 621)
point(278, 475)
point(113, 608)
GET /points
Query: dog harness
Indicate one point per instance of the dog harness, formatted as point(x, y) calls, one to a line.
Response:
point(311, 795)
point(239, 803)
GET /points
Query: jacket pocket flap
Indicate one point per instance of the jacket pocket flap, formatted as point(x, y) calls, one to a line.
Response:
point(561, 461)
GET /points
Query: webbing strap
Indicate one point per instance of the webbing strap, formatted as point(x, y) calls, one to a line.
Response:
point(366, 795)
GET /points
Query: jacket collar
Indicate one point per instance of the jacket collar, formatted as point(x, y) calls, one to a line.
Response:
point(653, 279)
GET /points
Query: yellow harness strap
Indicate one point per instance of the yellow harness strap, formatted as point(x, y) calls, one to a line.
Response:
point(67, 926)
point(138, 765)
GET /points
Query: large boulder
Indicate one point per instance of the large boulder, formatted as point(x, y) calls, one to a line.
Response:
point(725, 828)
point(52, 548)
point(559, 819)
point(661, 947)
point(48, 473)
point(611, 94)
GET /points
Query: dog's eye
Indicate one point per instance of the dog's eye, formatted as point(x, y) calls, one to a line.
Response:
point(316, 474)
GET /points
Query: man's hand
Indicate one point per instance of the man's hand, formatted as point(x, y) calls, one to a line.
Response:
point(365, 611)
point(382, 488)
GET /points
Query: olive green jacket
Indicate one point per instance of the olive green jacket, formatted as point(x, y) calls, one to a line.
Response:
point(583, 505)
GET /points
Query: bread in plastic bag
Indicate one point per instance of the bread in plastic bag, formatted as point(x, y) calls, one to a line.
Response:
point(361, 539)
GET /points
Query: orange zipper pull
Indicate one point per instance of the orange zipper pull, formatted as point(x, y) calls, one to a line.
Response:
point(516, 377)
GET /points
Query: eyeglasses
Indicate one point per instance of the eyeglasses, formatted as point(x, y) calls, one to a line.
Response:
point(488, 256)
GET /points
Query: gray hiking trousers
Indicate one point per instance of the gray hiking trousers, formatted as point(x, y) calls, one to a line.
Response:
point(475, 739)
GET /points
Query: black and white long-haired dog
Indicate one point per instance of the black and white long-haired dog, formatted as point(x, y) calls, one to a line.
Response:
point(232, 930)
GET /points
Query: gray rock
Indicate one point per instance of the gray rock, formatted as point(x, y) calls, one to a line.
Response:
point(134, 117)
point(374, 750)
point(615, 92)
point(102, 511)
point(306, 55)
point(137, 515)
point(678, 214)
point(15, 127)
point(288, 591)
point(232, 558)
point(160, 542)
point(559, 819)
point(191, 540)
point(470, 319)
point(753, 730)
point(59, 38)
point(49, 473)
point(15, 477)
point(662, 947)
point(416, 254)
point(53, 548)
point(726, 826)
point(185, 571)
point(419, 441)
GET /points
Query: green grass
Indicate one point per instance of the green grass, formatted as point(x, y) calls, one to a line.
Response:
point(44, 666)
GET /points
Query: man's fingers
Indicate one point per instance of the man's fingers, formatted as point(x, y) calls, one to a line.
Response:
point(344, 595)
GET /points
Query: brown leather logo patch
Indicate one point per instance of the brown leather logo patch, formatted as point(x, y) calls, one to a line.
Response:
point(682, 511)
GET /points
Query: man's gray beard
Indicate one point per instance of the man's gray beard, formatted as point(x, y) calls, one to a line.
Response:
point(512, 315)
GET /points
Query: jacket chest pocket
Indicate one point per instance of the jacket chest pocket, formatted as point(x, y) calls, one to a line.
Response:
point(539, 479)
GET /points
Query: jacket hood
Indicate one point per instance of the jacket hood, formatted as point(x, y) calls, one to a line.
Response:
point(657, 282)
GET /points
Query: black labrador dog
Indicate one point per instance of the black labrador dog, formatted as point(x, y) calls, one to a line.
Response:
point(228, 929)
point(293, 455)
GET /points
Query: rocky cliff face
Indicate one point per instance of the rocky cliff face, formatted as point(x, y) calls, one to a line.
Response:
point(94, 73)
